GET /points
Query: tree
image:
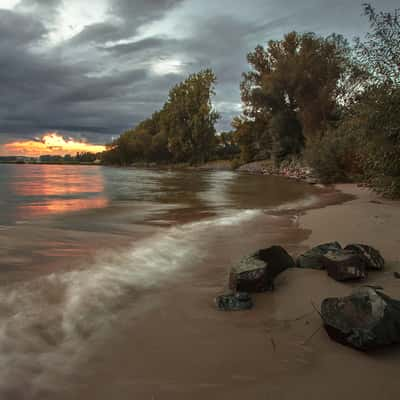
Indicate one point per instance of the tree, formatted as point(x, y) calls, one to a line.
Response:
point(188, 118)
point(253, 138)
point(226, 148)
point(380, 52)
point(183, 131)
point(367, 139)
point(293, 88)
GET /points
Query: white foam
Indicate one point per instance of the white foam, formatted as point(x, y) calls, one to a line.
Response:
point(298, 205)
point(45, 324)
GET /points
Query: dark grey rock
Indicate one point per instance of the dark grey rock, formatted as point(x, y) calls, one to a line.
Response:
point(313, 257)
point(256, 273)
point(372, 257)
point(364, 320)
point(345, 265)
point(234, 302)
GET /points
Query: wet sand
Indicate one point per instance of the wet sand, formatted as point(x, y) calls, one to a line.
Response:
point(180, 347)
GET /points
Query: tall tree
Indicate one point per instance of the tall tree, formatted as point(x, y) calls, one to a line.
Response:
point(183, 131)
point(375, 117)
point(380, 51)
point(188, 118)
point(293, 87)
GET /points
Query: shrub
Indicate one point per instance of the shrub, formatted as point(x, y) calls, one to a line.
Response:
point(333, 157)
point(235, 163)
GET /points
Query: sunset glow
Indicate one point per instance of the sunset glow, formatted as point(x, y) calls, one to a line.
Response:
point(51, 143)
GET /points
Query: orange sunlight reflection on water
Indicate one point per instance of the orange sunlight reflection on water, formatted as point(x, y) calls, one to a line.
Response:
point(60, 206)
point(53, 189)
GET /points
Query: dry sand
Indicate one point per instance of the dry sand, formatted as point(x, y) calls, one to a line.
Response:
point(185, 349)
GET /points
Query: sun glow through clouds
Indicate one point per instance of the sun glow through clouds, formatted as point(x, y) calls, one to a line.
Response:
point(51, 143)
point(167, 66)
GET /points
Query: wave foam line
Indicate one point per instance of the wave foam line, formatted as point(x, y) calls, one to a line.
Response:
point(46, 323)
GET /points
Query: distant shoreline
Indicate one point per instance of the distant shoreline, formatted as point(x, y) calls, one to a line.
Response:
point(49, 163)
point(264, 167)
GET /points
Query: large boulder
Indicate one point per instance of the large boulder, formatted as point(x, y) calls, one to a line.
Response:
point(234, 302)
point(313, 258)
point(372, 257)
point(364, 320)
point(345, 265)
point(256, 273)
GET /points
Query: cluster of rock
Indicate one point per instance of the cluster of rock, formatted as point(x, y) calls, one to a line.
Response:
point(343, 264)
point(289, 170)
point(299, 173)
point(366, 319)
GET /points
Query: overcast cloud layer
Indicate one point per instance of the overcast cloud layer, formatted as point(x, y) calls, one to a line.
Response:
point(91, 71)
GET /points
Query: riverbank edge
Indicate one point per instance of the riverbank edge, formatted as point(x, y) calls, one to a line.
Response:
point(290, 169)
point(279, 345)
point(366, 217)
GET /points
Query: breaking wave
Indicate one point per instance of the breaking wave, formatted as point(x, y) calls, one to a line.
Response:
point(45, 324)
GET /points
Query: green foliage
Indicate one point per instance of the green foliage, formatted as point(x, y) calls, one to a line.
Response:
point(375, 121)
point(287, 135)
point(188, 119)
point(245, 137)
point(380, 52)
point(291, 92)
point(375, 117)
point(226, 147)
point(235, 164)
point(83, 157)
point(333, 157)
point(183, 131)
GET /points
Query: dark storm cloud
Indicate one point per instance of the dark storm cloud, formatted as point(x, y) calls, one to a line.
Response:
point(139, 12)
point(116, 71)
point(100, 33)
point(29, 30)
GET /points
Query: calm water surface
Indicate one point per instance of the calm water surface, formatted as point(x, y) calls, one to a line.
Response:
point(80, 245)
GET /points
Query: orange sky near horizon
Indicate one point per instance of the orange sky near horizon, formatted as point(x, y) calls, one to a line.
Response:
point(51, 143)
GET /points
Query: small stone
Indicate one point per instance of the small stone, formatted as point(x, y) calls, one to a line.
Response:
point(234, 302)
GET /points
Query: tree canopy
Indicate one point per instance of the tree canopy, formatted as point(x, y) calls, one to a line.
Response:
point(182, 131)
point(291, 92)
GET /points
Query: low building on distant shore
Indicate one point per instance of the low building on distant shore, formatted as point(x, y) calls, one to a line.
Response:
point(18, 160)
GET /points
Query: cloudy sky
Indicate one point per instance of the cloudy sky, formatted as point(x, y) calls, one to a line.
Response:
point(91, 69)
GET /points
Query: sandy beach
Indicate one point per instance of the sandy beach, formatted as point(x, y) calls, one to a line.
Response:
point(182, 348)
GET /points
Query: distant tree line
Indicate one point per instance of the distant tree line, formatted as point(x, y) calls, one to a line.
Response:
point(182, 131)
point(318, 100)
point(84, 157)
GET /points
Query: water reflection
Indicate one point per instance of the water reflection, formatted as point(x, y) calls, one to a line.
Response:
point(36, 190)
point(59, 206)
point(56, 180)
point(52, 189)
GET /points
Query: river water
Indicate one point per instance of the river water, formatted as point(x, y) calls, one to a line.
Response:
point(81, 247)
